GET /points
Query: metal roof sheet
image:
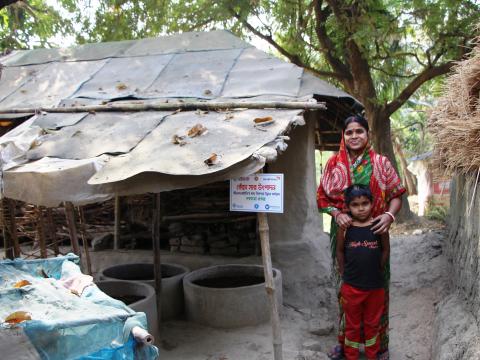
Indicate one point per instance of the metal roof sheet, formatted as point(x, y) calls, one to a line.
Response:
point(65, 150)
point(231, 139)
point(97, 134)
point(51, 84)
point(113, 81)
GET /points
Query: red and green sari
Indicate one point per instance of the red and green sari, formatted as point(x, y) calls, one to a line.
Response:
point(370, 169)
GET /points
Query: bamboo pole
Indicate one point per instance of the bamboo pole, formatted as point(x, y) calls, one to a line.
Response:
point(157, 264)
point(270, 285)
point(83, 231)
point(53, 231)
point(174, 105)
point(72, 229)
point(116, 229)
point(13, 228)
point(41, 233)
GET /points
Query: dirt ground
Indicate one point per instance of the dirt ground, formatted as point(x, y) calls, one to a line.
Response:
point(419, 281)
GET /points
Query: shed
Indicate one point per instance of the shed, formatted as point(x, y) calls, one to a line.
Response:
point(167, 113)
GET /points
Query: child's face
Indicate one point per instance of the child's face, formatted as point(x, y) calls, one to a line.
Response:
point(360, 207)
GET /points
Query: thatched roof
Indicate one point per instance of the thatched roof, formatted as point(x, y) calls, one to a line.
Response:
point(455, 121)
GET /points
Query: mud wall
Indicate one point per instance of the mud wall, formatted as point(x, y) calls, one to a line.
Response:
point(462, 247)
point(456, 330)
point(300, 248)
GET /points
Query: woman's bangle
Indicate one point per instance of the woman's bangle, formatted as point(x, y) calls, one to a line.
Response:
point(391, 215)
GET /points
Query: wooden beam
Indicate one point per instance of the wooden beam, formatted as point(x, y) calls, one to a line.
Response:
point(7, 238)
point(157, 263)
point(270, 285)
point(200, 216)
point(13, 228)
point(41, 233)
point(83, 230)
point(53, 231)
point(72, 228)
point(174, 105)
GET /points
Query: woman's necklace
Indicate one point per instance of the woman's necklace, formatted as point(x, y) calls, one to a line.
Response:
point(356, 161)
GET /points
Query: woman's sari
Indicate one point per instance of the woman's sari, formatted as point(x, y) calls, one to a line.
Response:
point(377, 172)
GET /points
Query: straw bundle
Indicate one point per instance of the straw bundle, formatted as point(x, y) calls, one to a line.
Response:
point(455, 120)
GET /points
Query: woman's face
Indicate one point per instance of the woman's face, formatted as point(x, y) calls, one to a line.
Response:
point(356, 137)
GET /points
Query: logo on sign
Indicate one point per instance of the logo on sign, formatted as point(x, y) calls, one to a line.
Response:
point(267, 206)
point(256, 206)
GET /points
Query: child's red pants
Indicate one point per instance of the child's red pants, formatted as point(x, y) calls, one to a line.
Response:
point(361, 306)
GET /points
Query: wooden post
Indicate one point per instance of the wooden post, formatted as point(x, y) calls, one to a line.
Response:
point(41, 233)
point(53, 231)
point(13, 228)
point(157, 264)
point(72, 228)
point(83, 231)
point(270, 285)
point(116, 229)
point(7, 237)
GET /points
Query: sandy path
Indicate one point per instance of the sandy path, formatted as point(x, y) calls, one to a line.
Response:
point(418, 281)
point(419, 278)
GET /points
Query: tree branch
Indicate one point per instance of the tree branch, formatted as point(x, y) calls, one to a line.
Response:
point(295, 59)
point(427, 74)
point(328, 46)
point(403, 76)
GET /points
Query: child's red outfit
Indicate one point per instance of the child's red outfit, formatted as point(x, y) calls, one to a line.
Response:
point(362, 292)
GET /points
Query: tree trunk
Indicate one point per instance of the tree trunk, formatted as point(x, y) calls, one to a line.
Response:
point(382, 143)
point(408, 177)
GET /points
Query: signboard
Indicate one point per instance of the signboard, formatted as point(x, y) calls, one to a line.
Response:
point(257, 193)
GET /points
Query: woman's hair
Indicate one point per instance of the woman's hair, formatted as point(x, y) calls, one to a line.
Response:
point(354, 191)
point(358, 119)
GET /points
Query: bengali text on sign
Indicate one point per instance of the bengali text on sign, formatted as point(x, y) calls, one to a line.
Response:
point(257, 193)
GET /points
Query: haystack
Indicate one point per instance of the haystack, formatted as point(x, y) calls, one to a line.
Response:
point(455, 121)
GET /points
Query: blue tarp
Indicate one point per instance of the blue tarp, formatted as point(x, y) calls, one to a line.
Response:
point(64, 325)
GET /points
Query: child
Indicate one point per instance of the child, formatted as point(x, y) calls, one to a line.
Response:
point(361, 257)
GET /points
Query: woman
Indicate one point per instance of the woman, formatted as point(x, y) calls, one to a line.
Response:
point(357, 163)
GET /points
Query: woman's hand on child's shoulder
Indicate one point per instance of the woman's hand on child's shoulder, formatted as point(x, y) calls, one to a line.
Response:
point(382, 224)
point(343, 220)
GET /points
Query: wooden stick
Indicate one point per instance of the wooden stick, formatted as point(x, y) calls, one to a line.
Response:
point(7, 237)
point(174, 105)
point(116, 229)
point(13, 228)
point(83, 231)
point(270, 285)
point(41, 233)
point(157, 263)
point(53, 231)
point(72, 228)
point(199, 216)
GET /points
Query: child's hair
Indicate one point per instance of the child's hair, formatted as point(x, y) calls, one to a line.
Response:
point(354, 191)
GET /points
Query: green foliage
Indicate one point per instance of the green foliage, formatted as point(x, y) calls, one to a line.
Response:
point(33, 24)
point(438, 213)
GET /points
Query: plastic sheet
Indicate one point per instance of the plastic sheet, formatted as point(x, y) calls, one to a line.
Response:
point(64, 325)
